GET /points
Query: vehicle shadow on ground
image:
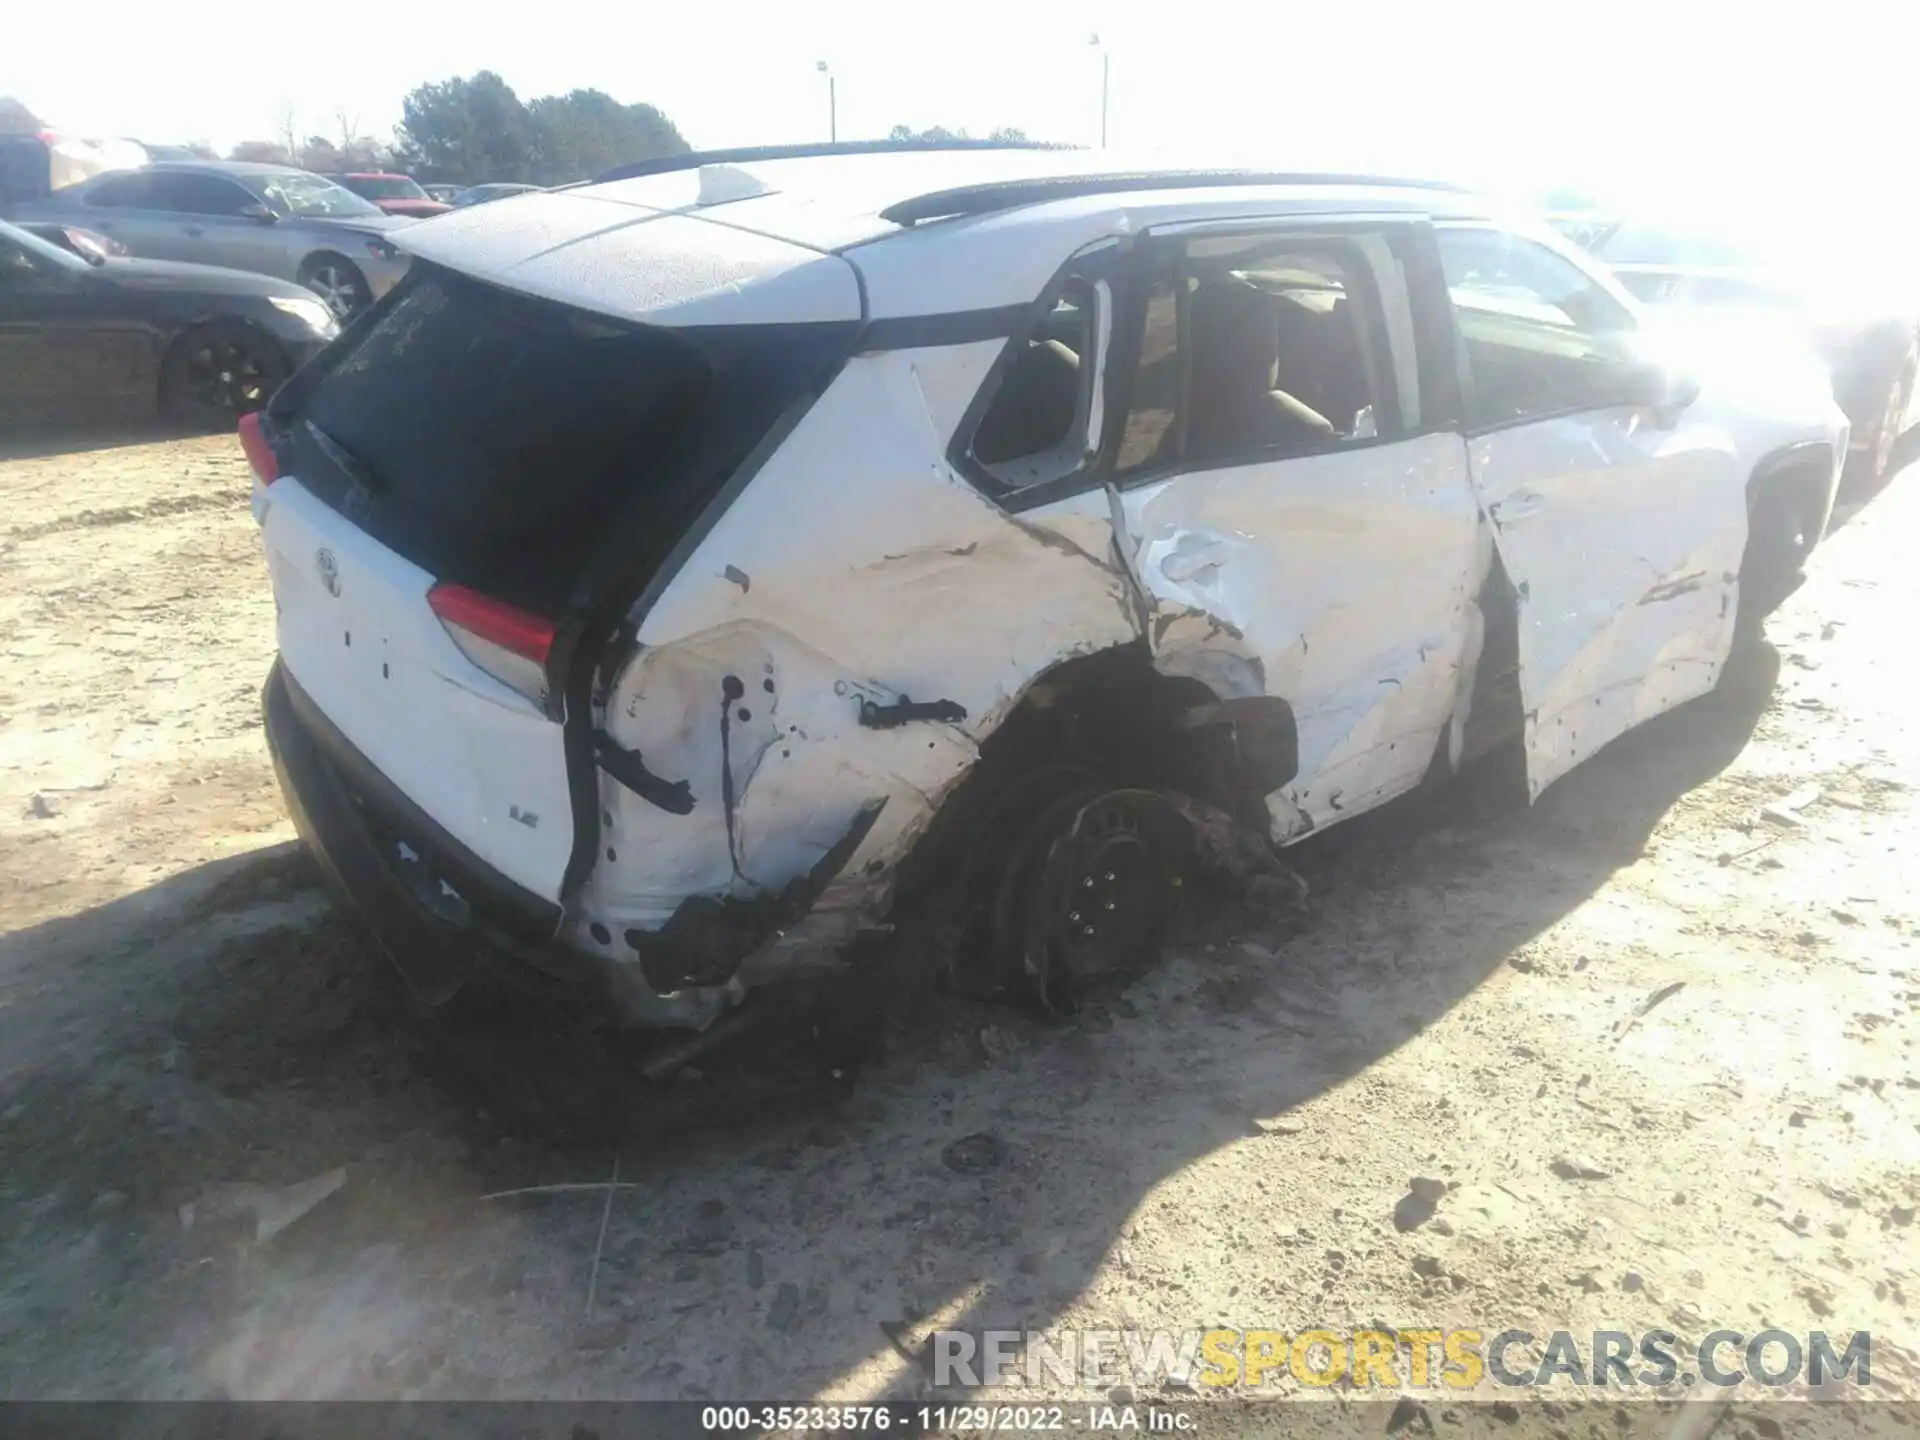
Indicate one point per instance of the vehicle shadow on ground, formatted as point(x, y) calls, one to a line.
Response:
point(1416, 906)
point(1857, 494)
point(233, 1024)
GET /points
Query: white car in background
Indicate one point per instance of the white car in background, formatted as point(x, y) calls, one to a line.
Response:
point(682, 576)
point(1845, 296)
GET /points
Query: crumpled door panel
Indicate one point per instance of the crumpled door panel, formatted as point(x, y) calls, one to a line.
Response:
point(1343, 583)
point(1623, 542)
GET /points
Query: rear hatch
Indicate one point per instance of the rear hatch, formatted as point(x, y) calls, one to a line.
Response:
point(469, 470)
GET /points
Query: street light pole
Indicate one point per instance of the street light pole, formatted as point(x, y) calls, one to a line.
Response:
point(833, 103)
point(1106, 75)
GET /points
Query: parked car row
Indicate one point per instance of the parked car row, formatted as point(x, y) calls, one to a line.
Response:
point(195, 286)
point(898, 565)
point(161, 202)
point(83, 332)
point(269, 219)
point(395, 194)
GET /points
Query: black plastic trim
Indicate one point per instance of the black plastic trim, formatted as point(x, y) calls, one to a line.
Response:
point(597, 621)
point(966, 200)
point(958, 327)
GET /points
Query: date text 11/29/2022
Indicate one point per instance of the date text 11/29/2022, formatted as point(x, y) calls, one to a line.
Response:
point(916, 1419)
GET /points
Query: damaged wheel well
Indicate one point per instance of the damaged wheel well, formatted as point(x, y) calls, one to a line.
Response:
point(1797, 475)
point(1107, 720)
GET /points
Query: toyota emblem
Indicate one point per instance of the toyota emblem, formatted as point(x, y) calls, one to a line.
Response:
point(329, 569)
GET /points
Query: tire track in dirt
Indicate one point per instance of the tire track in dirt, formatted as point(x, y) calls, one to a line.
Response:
point(127, 514)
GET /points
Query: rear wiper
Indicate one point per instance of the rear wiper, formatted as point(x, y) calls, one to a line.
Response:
point(344, 460)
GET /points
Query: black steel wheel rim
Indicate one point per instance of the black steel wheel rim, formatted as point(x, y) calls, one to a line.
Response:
point(229, 375)
point(1091, 891)
point(1102, 889)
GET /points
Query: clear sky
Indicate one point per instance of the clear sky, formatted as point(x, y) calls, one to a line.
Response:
point(1691, 102)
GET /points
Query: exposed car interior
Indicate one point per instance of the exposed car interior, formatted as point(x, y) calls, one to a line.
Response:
point(1273, 359)
point(1235, 400)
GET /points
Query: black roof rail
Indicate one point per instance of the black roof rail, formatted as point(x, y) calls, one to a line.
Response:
point(1009, 194)
point(741, 155)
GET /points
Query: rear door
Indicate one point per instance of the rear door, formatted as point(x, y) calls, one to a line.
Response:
point(1302, 528)
point(206, 225)
point(127, 206)
point(1620, 526)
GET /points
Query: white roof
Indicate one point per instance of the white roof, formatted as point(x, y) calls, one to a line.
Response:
point(687, 247)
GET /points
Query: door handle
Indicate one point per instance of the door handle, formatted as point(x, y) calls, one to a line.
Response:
point(1519, 506)
point(1183, 565)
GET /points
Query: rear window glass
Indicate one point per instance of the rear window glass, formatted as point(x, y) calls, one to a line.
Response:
point(496, 439)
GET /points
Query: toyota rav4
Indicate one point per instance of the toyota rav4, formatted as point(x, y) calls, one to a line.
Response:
point(684, 575)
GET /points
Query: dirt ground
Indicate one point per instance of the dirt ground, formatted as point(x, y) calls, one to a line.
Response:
point(1659, 1044)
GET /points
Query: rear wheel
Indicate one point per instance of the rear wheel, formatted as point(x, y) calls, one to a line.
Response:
point(338, 281)
point(217, 373)
point(1872, 469)
point(1090, 895)
point(1893, 418)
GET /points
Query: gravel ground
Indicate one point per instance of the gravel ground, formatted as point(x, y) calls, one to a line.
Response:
point(1655, 1036)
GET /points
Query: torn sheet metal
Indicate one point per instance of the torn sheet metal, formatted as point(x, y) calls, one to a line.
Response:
point(874, 575)
point(1341, 583)
point(1623, 542)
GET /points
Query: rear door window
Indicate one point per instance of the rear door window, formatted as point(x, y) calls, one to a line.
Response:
point(1255, 347)
point(497, 439)
point(194, 194)
point(123, 192)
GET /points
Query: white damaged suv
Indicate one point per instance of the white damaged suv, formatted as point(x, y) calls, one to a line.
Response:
point(680, 576)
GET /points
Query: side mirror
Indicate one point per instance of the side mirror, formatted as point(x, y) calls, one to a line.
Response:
point(260, 212)
point(1664, 390)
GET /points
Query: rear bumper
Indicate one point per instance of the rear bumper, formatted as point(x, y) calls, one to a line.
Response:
point(440, 911)
point(443, 915)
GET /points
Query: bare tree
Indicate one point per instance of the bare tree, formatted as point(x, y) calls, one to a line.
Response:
point(266, 152)
point(289, 131)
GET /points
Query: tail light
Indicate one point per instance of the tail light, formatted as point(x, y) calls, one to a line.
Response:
point(259, 449)
point(508, 644)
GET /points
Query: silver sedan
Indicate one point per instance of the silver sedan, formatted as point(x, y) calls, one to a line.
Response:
point(271, 219)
